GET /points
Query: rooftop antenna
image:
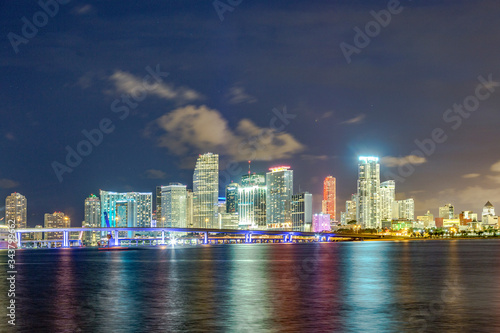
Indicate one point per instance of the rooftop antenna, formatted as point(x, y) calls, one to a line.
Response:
point(249, 168)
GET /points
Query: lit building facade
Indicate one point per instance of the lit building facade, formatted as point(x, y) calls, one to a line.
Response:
point(252, 202)
point(206, 191)
point(92, 215)
point(232, 198)
point(301, 211)
point(16, 207)
point(330, 197)
point(189, 208)
point(368, 212)
point(158, 217)
point(56, 220)
point(320, 222)
point(387, 198)
point(279, 183)
point(133, 209)
point(174, 205)
point(488, 209)
point(447, 211)
point(351, 209)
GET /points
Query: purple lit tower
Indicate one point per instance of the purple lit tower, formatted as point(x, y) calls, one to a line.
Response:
point(321, 222)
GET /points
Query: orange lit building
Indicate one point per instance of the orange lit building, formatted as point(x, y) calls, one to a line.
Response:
point(329, 197)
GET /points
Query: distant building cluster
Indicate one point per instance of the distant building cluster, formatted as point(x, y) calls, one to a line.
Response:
point(261, 201)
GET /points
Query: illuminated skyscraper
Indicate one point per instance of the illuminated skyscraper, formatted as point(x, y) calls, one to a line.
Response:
point(92, 212)
point(302, 211)
point(279, 182)
point(405, 209)
point(252, 202)
point(56, 220)
point(447, 211)
point(206, 191)
point(387, 197)
point(330, 197)
point(133, 209)
point(351, 208)
point(159, 221)
point(232, 198)
point(368, 212)
point(174, 205)
point(189, 208)
point(16, 210)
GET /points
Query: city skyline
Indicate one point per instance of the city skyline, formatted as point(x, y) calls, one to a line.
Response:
point(304, 106)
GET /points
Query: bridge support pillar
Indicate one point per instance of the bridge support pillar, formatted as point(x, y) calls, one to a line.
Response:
point(65, 238)
point(205, 240)
point(116, 241)
point(163, 237)
point(19, 237)
point(248, 238)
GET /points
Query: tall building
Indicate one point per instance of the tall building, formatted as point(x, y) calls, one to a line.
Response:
point(16, 209)
point(368, 212)
point(92, 212)
point(279, 183)
point(321, 222)
point(488, 209)
point(56, 220)
point(232, 198)
point(447, 211)
point(351, 209)
point(159, 221)
point(174, 205)
point(133, 209)
point(302, 211)
point(405, 209)
point(252, 202)
point(206, 191)
point(189, 209)
point(330, 197)
point(387, 198)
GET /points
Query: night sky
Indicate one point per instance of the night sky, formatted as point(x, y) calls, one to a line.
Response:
point(221, 84)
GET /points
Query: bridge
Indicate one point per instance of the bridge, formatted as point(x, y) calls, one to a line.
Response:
point(286, 236)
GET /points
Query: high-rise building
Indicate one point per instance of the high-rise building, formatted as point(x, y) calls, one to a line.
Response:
point(232, 198)
point(301, 211)
point(16, 210)
point(92, 212)
point(351, 208)
point(56, 220)
point(405, 209)
point(132, 209)
point(252, 202)
point(189, 208)
point(368, 212)
point(159, 221)
point(321, 222)
point(387, 197)
point(330, 197)
point(279, 183)
point(206, 191)
point(447, 211)
point(488, 209)
point(174, 205)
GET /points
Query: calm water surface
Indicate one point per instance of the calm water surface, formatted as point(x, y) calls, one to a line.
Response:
point(420, 286)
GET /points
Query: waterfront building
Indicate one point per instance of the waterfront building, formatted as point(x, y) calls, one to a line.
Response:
point(92, 215)
point(301, 211)
point(232, 198)
point(56, 220)
point(427, 220)
point(329, 197)
point(368, 208)
point(189, 208)
point(387, 198)
point(206, 191)
point(320, 222)
point(279, 182)
point(488, 209)
point(174, 205)
point(252, 202)
point(158, 217)
point(447, 211)
point(16, 207)
point(403, 209)
point(351, 208)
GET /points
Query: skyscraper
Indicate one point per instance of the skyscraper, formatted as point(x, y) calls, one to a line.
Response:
point(351, 208)
point(302, 211)
point(174, 205)
point(56, 220)
point(189, 208)
point(279, 183)
point(387, 197)
point(159, 221)
point(16, 209)
point(132, 208)
point(252, 202)
point(232, 198)
point(92, 212)
point(206, 191)
point(447, 211)
point(368, 212)
point(330, 197)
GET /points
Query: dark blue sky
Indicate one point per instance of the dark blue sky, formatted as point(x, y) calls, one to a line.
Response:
point(224, 80)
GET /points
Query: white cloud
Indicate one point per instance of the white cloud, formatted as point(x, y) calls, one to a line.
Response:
point(237, 95)
point(355, 120)
point(391, 161)
point(200, 129)
point(495, 167)
point(127, 83)
point(471, 175)
point(155, 174)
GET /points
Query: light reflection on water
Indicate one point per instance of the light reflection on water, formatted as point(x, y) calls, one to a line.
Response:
point(431, 286)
